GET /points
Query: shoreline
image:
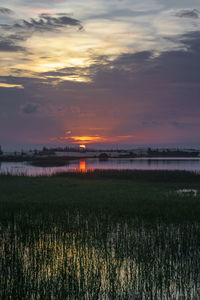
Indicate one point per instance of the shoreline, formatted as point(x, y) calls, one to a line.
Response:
point(68, 158)
point(188, 178)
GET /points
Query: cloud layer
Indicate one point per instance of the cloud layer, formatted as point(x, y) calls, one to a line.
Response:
point(6, 11)
point(193, 14)
point(45, 22)
point(70, 72)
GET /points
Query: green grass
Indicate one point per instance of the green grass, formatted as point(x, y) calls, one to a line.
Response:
point(88, 236)
point(119, 197)
point(157, 176)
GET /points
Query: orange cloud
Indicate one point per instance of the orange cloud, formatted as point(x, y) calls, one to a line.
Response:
point(93, 139)
point(87, 139)
point(8, 85)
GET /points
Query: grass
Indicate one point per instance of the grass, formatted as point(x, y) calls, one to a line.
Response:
point(133, 197)
point(163, 176)
point(102, 235)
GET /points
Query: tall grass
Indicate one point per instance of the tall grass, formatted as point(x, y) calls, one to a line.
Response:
point(141, 175)
point(95, 257)
point(69, 238)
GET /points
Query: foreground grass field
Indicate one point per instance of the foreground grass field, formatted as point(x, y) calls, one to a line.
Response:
point(110, 235)
point(115, 195)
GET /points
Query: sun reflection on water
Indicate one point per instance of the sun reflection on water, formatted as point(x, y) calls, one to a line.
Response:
point(82, 166)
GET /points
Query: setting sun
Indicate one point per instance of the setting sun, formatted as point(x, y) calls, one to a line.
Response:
point(82, 147)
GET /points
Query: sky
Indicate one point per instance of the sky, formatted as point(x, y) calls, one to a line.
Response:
point(117, 73)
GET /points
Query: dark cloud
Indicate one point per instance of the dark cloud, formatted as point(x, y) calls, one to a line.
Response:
point(16, 37)
point(8, 45)
point(70, 71)
point(30, 108)
point(12, 35)
point(45, 22)
point(182, 125)
point(130, 59)
point(6, 11)
point(153, 96)
point(164, 88)
point(173, 66)
point(192, 14)
point(192, 41)
point(118, 13)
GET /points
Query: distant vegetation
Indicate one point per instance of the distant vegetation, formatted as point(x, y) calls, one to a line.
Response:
point(171, 153)
point(103, 156)
point(59, 154)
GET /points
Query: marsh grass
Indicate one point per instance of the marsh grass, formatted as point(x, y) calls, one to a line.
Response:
point(165, 176)
point(95, 238)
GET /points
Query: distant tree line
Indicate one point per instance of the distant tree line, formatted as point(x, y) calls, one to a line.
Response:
point(171, 153)
point(61, 149)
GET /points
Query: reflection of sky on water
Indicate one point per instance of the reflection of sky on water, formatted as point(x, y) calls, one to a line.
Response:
point(84, 165)
point(100, 258)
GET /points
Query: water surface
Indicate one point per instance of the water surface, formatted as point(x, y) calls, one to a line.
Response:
point(83, 165)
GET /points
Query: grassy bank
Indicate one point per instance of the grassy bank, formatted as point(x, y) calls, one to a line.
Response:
point(158, 176)
point(151, 195)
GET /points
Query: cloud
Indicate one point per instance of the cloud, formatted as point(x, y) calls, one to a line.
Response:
point(182, 125)
point(126, 12)
point(45, 22)
point(192, 14)
point(129, 60)
point(30, 108)
point(10, 85)
point(6, 11)
point(92, 139)
point(13, 34)
point(192, 41)
point(142, 86)
point(8, 45)
point(179, 65)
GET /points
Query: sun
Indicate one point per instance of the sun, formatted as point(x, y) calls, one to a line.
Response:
point(83, 147)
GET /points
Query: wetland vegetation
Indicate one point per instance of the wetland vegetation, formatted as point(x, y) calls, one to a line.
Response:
point(100, 235)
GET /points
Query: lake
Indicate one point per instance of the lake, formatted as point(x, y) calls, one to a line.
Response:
point(83, 165)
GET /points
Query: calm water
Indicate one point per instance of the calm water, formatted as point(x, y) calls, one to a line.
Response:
point(189, 164)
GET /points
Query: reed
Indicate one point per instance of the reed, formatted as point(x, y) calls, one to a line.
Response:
point(95, 238)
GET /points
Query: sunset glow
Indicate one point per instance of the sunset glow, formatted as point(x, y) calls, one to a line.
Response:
point(105, 71)
point(7, 85)
point(93, 139)
point(87, 139)
point(82, 166)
